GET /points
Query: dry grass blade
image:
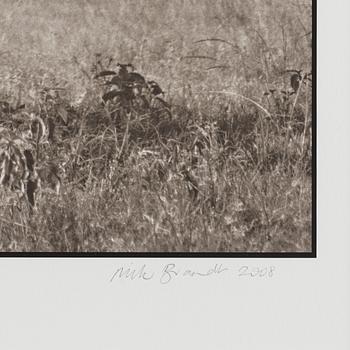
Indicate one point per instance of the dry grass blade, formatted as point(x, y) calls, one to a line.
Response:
point(13, 223)
point(218, 40)
point(219, 67)
point(62, 113)
point(125, 140)
point(200, 57)
point(245, 98)
point(105, 74)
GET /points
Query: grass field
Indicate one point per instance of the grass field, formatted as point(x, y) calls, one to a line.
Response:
point(223, 164)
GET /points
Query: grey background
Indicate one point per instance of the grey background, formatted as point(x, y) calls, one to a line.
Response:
point(70, 304)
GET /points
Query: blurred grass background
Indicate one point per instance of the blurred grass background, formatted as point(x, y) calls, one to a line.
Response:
point(267, 37)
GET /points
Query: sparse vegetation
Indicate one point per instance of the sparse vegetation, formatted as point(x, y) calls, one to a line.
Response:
point(155, 126)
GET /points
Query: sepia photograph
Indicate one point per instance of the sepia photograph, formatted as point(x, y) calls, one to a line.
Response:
point(158, 174)
point(157, 127)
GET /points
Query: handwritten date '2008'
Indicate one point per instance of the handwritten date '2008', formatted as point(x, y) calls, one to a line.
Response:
point(256, 271)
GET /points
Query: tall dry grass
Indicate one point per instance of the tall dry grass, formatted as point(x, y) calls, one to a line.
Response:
point(230, 172)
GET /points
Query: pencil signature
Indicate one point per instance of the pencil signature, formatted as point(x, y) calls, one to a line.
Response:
point(170, 272)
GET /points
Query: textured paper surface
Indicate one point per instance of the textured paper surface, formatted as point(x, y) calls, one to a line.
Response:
point(71, 303)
